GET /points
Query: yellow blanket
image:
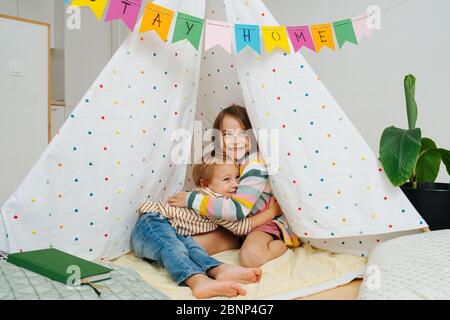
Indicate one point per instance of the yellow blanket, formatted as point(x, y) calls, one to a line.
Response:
point(300, 272)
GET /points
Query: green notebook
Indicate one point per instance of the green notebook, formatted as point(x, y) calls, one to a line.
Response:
point(54, 264)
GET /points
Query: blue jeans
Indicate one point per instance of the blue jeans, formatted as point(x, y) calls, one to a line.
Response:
point(153, 238)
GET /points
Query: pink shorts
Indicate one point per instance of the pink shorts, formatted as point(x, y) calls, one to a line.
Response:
point(270, 228)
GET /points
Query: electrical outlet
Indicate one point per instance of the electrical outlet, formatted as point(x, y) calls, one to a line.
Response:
point(16, 68)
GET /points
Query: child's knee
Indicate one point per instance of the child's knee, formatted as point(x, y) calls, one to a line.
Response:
point(253, 258)
point(277, 248)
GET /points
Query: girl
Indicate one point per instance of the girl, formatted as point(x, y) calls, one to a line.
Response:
point(253, 195)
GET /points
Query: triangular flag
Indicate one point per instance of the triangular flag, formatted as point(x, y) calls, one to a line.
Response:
point(127, 10)
point(275, 37)
point(217, 33)
point(247, 35)
point(158, 19)
point(323, 36)
point(301, 36)
point(344, 32)
point(188, 27)
point(360, 27)
point(97, 6)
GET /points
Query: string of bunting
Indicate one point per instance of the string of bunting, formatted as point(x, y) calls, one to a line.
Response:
point(159, 19)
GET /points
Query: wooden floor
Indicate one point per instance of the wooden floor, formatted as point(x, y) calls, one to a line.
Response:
point(347, 292)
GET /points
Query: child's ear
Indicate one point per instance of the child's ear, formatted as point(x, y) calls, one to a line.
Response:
point(203, 183)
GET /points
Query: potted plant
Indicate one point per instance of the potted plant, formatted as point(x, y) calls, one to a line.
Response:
point(412, 162)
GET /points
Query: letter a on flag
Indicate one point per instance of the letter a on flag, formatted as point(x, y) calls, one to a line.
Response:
point(158, 19)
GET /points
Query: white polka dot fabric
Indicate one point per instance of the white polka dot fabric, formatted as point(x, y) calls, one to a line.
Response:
point(114, 151)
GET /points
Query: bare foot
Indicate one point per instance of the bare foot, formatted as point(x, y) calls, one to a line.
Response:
point(237, 273)
point(208, 288)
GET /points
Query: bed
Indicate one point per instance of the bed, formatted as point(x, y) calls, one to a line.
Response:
point(299, 273)
point(415, 267)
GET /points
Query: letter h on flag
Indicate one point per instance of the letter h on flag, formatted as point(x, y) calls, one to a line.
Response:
point(247, 35)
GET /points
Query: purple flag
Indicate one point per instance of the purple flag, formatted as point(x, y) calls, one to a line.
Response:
point(127, 10)
point(301, 36)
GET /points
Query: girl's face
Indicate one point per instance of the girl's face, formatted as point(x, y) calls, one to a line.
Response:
point(235, 141)
point(224, 180)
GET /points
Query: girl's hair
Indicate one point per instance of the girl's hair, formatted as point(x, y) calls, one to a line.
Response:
point(240, 114)
point(237, 112)
point(205, 170)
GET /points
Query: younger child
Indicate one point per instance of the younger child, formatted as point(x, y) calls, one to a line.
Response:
point(163, 234)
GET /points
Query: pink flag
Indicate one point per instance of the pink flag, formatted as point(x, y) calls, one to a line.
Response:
point(301, 36)
point(218, 33)
point(361, 28)
point(127, 10)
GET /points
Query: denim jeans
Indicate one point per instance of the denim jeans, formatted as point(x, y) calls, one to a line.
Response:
point(153, 238)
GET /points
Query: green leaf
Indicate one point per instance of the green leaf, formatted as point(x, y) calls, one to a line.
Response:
point(445, 156)
point(399, 150)
point(411, 105)
point(427, 168)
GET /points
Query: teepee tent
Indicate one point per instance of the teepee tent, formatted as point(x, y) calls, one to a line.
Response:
point(114, 150)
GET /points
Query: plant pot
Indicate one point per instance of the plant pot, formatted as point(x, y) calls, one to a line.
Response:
point(432, 201)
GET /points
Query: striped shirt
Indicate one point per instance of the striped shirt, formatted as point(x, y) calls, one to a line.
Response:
point(252, 196)
point(187, 222)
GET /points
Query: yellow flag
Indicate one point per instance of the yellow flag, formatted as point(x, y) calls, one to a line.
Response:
point(97, 6)
point(275, 37)
point(158, 19)
point(323, 36)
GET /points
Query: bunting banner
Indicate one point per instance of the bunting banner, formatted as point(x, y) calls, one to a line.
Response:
point(361, 28)
point(158, 19)
point(344, 32)
point(127, 10)
point(275, 37)
point(323, 36)
point(301, 36)
point(218, 33)
point(247, 35)
point(96, 6)
point(188, 27)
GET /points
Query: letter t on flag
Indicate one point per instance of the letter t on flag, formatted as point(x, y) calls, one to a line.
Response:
point(158, 19)
point(127, 10)
point(217, 33)
point(97, 6)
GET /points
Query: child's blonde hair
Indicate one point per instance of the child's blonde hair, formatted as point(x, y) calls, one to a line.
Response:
point(205, 170)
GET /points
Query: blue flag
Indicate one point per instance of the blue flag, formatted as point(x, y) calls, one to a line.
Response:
point(247, 35)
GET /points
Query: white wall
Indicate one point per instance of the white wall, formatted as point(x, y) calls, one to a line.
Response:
point(24, 100)
point(9, 7)
point(367, 80)
point(87, 51)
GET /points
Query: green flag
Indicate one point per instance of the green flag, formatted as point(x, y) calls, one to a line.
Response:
point(188, 27)
point(344, 32)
